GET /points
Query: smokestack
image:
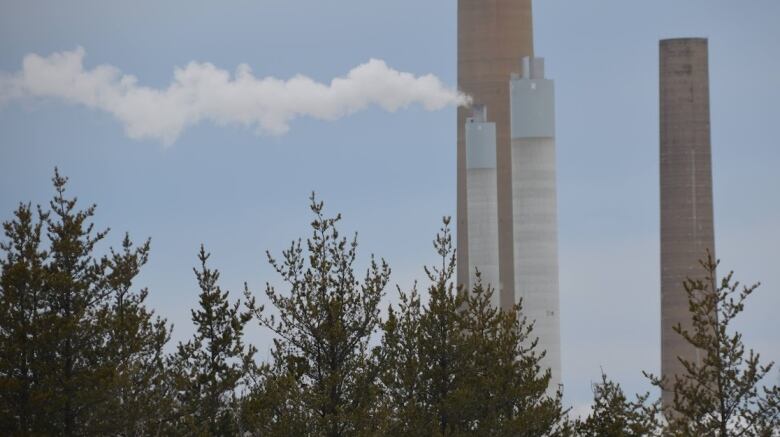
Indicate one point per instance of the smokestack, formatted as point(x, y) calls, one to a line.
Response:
point(492, 36)
point(535, 210)
point(481, 201)
point(687, 229)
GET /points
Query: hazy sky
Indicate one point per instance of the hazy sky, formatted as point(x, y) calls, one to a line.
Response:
point(240, 185)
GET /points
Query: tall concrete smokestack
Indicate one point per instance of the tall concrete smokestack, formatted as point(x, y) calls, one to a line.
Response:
point(481, 200)
point(687, 229)
point(534, 200)
point(493, 35)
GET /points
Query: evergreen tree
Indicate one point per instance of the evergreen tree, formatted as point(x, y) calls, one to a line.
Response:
point(614, 415)
point(73, 346)
point(459, 366)
point(324, 373)
point(440, 340)
point(722, 394)
point(141, 396)
point(59, 326)
point(211, 368)
point(426, 364)
point(22, 306)
point(506, 392)
point(275, 405)
point(404, 390)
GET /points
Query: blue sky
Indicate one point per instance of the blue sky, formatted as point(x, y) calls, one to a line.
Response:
point(392, 175)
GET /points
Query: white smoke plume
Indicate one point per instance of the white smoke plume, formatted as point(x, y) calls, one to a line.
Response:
point(202, 91)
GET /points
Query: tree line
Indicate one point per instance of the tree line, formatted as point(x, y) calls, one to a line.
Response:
point(81, 353)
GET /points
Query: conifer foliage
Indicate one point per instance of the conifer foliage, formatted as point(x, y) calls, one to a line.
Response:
point(613, 414)
point(78, 348)
point(210, 369)
point(22, 308)
point(459, 366)
point(81, 354)
point(727, 392)
point(135, 344)
point(723, 394)
point(324, 373)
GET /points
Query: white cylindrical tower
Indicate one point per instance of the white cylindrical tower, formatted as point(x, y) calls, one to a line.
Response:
point(534, 204)
point(482, 201)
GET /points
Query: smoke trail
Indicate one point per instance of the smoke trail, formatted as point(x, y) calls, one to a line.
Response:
point(201, 91)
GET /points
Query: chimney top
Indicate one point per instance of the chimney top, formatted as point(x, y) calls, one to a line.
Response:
point(533, 68)
point(478, 113)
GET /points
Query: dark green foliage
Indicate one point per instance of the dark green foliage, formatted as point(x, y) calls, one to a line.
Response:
point(210, 369)
point(73, 345)
point(506, 391)
point(324, 374)
point(723, 394)
point(22, 307)
point(75, 339)
point(459, 366)
point(614, 415)
point(403, 387)
point(81, 354)
point(275, 405)
point(135, 348)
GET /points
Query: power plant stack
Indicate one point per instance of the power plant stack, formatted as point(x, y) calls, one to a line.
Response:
point(507, 212)
point(493, 37)
point(481, 196)
point(535, 209)
point(687, 229)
